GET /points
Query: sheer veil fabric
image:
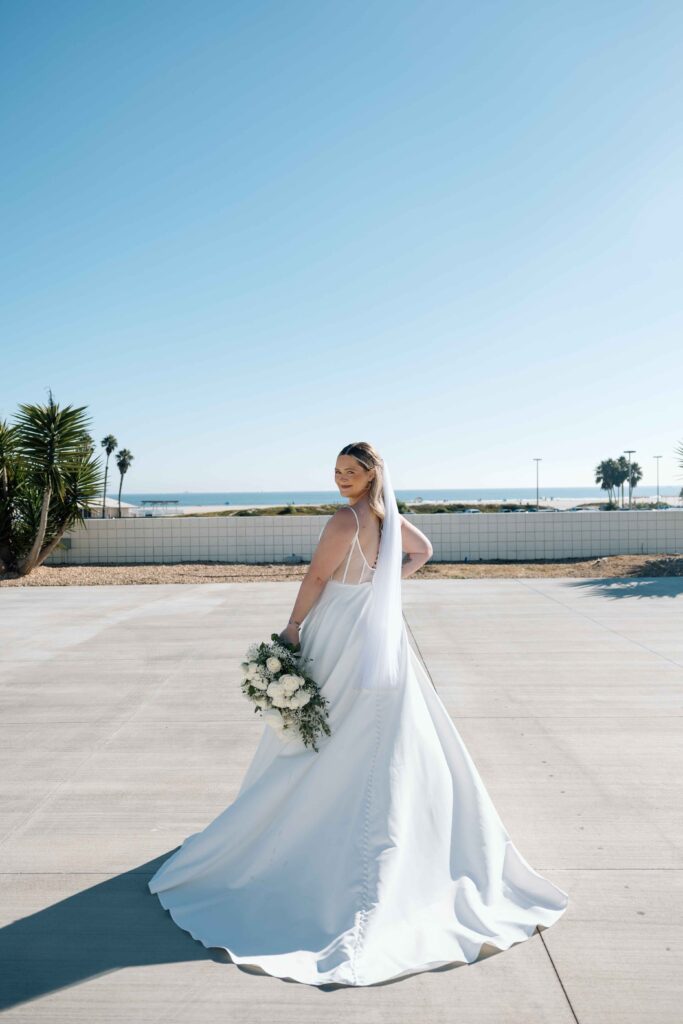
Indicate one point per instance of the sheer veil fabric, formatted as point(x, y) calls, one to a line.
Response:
point(381, 657)
point(379, 856)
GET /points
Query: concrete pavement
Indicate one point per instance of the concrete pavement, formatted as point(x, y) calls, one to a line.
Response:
point(123, 730)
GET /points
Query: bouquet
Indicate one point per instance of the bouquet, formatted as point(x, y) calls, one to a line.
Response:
point(287, 698)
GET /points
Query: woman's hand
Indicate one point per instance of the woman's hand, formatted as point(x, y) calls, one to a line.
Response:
point(290, 634)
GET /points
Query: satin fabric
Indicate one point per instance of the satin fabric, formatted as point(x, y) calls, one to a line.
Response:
point(379, 856)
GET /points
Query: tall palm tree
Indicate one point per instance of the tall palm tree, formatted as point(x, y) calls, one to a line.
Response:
point(622, 475)
point(607, 477)
point(110, 444)
point(123, 461)
point(636, 477)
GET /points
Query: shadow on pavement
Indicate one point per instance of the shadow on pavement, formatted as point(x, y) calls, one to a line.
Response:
point(114, 924)
point(616, 587)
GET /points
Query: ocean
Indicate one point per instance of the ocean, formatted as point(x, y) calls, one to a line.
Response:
point(427, 494)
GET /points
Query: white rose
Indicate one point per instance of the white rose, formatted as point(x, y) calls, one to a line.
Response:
point(280, 700)
point(259, 682)
point(260, 702)
point(274, 689)
point(251, 668)
point(273, 664)
point(302, 697)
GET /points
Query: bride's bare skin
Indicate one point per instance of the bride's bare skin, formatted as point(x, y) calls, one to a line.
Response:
point(353, 481)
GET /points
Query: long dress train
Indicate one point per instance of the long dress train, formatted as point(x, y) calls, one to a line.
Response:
point(379, 856)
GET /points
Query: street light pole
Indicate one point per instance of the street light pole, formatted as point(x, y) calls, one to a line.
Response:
point(658, 457)
point(537, 462)
point(629, 452)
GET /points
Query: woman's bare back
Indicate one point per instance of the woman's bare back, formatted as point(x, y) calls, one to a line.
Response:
point(359, 562)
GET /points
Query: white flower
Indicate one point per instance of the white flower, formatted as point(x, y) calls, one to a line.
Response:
point(258, 681)
point(300, 698)
point(273, 718)
point(273, 665)
point(281, 700)
point(260, 702)
point(290, 683)
point(251, 668)
point(275, 688)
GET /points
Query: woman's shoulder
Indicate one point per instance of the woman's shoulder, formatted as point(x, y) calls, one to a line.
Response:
point(347, 518)
point(343, 521)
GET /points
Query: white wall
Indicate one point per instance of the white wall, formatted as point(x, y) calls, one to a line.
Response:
point(454, 537)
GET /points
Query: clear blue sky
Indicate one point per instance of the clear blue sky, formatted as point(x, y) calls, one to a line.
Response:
point(245, 234)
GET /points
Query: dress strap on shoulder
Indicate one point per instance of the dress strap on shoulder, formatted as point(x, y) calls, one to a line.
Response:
point(355, 514)
point(353, 542)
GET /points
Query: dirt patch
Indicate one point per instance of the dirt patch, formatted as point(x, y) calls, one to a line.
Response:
point(213, 572)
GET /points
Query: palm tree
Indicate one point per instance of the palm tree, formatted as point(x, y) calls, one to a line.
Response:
point(622, 475)
point(48, 477)
point(636, 477)
point(123, 461)
point(607, 477)
point(9, 466)
point(679, 452)
point(110, 444)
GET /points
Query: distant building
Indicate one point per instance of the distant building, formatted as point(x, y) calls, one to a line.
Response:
point(111, 509)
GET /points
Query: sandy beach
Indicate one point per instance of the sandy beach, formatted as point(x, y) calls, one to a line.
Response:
point(561, 504)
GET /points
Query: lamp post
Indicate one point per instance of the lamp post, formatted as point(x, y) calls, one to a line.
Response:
point(658, 457)
point(629, 452)
point(537, 462)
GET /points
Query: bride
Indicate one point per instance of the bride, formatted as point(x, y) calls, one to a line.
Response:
point(382, 854)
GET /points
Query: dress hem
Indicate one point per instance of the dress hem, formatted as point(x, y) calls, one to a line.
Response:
point(418, 969)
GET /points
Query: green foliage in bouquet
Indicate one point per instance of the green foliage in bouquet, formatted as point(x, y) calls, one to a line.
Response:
point(288, 699)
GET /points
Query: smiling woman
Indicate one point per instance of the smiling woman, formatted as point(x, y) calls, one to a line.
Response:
point(333, 866)
point(340, 554)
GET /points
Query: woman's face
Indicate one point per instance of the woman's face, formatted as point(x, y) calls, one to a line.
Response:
point(351, 478)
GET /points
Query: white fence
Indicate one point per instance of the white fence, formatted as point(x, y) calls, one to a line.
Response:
point(455, 537)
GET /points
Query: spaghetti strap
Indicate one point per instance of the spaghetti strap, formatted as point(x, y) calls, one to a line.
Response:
point(348, 557)
point(355, 514)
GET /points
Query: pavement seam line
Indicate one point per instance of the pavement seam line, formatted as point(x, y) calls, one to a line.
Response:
point(557, 975)
point(418, 650)
point(601, 625)
point(99, 746)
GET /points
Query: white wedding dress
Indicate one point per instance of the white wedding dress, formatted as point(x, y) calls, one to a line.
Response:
point(380, 855)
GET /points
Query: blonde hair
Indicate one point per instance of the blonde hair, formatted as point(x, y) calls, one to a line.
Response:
point(369, 458)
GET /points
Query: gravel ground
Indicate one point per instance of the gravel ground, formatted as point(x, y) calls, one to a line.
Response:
point(213, 572)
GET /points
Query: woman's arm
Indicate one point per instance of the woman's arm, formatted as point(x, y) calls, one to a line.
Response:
point(334, 542)
point(417, 548)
